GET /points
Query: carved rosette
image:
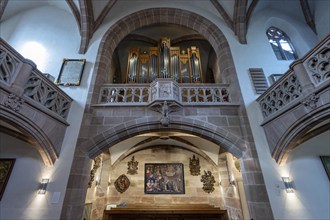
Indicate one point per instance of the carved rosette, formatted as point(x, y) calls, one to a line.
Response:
point(311, 101)
point(195, 168)
point(318, 66)
point(14, 102)
point(132, 166)
point(122, 183)
point(208, 181)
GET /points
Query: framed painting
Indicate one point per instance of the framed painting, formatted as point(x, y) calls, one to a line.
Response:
point(164, 178)
point(71, 72)
point(6, 166)
point(326, 163)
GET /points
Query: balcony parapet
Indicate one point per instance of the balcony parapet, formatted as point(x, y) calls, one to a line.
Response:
point(305, 76)
point(19, 76)
point(45, 93)
point(32, 103)
point(297, 106)
point(144, 94)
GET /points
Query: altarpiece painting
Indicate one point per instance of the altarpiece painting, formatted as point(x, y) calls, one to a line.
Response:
point(164, 178)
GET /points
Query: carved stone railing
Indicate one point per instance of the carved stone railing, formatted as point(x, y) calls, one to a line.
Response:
point(297, 105)
point(185, 94)
point(204, 94)
point(124, 94)
point(19, 76)
point(10, 63)
point(303, 77)
point(286, 90)
point(47, 94)
point(32, 103)
point(317, 63)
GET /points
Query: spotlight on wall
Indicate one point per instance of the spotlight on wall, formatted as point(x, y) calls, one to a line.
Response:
point(288, 183)
point(43, 186)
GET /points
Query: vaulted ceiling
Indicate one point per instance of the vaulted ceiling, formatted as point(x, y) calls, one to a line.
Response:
point(90, 15)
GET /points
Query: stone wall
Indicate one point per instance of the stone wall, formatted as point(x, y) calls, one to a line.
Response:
point(224, 196)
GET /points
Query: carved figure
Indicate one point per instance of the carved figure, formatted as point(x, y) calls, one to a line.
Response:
point(97, 163)
point(165, 120)
point(208, 181)
point(132, 166)
point(195, 168)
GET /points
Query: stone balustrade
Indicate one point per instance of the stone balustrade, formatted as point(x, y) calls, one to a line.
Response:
point(303, 77)
point(20, 77)
point(32, 103)
point(47, 94)
point(298, 100)
point(286, 90)
point(143, 94)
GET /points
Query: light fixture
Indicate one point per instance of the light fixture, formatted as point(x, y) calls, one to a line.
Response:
point(288, 184)
point(43, 186)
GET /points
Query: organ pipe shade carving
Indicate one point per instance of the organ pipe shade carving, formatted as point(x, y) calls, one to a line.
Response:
point(164, 61)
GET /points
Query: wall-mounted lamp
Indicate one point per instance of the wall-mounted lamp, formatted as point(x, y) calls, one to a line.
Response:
point(288, 183)
point(43, 186)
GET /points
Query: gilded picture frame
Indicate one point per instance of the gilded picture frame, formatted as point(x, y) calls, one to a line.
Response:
point(164, 178)
point(71, 72)
point(6, 166)
point(326, 163)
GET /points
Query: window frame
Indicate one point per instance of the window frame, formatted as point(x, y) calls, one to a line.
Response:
point(276, 35)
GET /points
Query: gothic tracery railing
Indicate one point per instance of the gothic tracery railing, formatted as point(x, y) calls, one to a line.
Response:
point(9, 65)
point(288, 89)
point(47, 94)
point(313, 70)
point(139, 94)
point(318, 64)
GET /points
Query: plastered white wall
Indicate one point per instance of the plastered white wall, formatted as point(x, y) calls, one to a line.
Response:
point(55, 36)
point(258, 54)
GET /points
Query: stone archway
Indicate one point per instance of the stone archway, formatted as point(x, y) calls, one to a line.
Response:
point(155, 16)
point(303, 129)
point(89, 146)
point(34, 134)
point(219, 136)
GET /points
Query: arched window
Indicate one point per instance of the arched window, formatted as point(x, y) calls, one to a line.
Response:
point(281, 44)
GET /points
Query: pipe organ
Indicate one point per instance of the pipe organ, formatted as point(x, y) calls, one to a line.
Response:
point(164, 61)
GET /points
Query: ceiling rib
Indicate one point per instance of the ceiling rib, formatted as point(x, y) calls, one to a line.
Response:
point(3, 4)
point(75, 12)
point(308, 15)
point(223, 13)
point(240, 20)
point(103, 14)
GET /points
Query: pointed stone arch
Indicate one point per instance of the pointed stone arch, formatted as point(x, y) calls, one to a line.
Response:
point(219, 136)
point(88, 147)
point(34, 134)
point(154, 16)
point(302, 130)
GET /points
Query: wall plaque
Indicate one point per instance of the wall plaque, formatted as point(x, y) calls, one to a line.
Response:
point(71, 72)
